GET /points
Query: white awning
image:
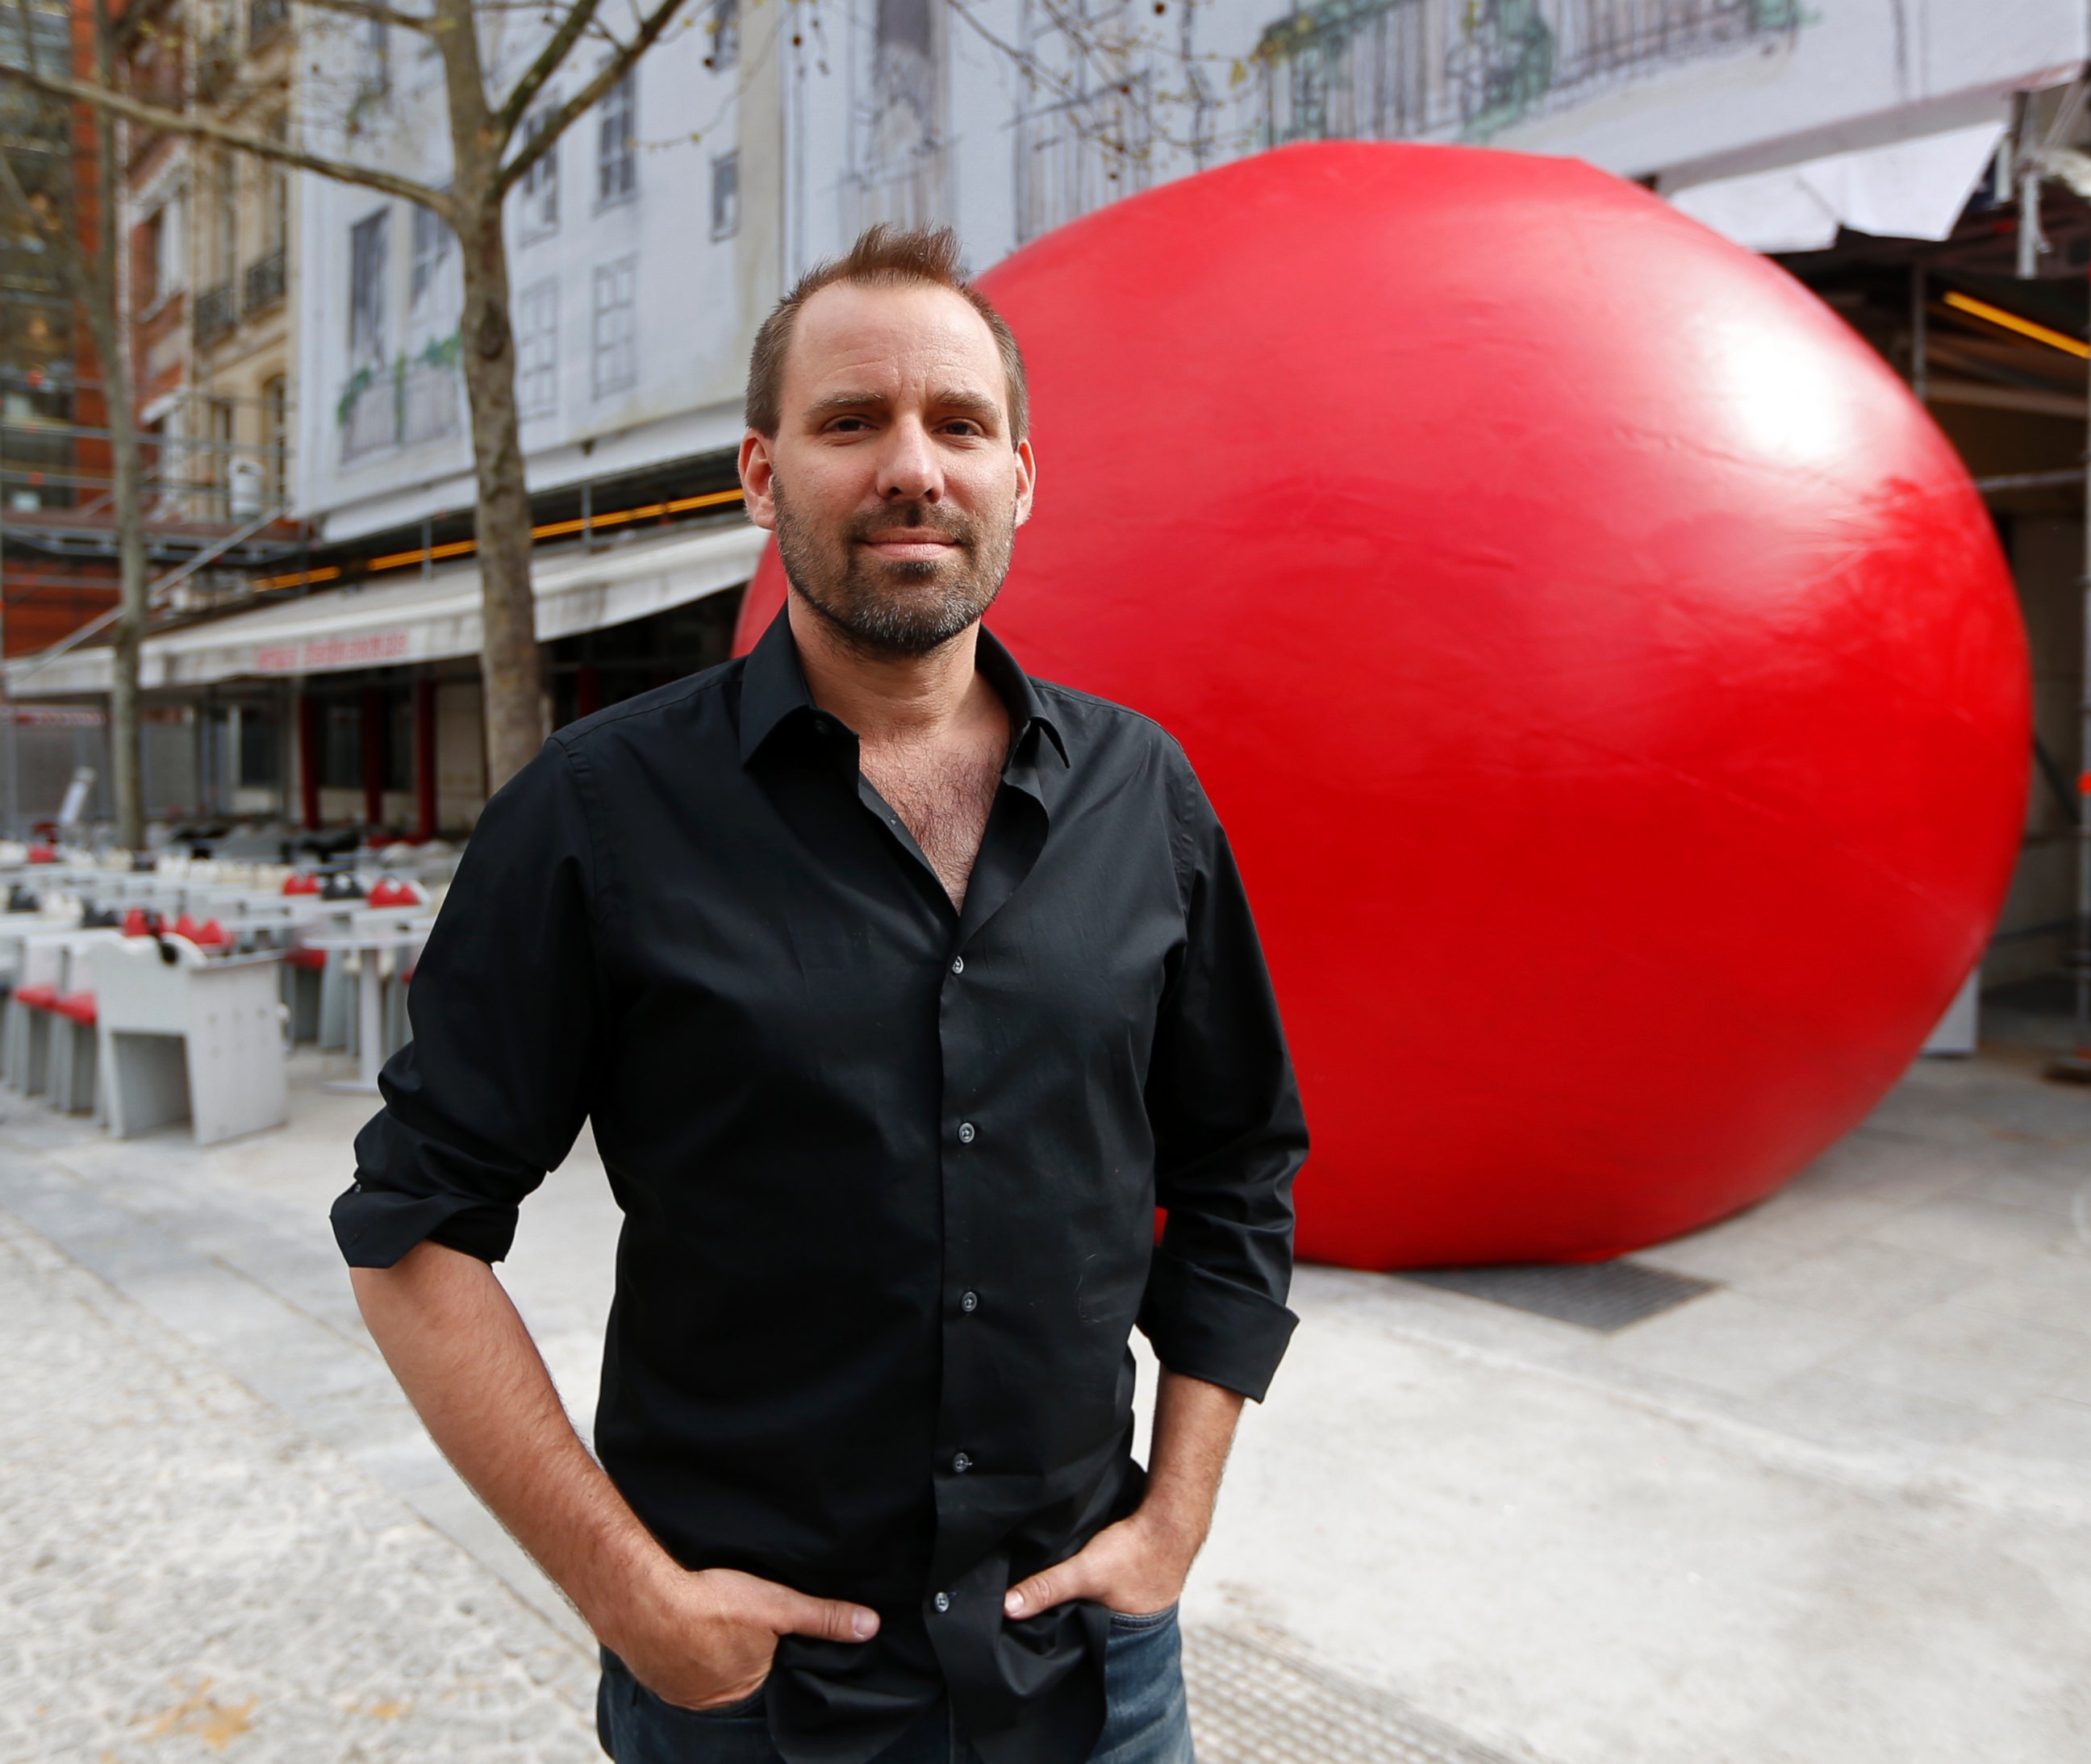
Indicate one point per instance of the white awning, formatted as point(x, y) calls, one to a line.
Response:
point(397, 620)
point(1908, 189)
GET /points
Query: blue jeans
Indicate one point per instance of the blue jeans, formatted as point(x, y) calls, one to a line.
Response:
point(1146, 1720)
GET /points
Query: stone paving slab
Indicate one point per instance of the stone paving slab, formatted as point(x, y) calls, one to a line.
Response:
point(184, 1574)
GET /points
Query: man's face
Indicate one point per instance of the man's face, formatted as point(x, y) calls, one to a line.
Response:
point(893, 484)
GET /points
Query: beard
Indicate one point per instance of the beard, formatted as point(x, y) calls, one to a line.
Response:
point(889, 609)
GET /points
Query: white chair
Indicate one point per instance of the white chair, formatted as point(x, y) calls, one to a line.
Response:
point(25, 1054)
point(71, 1061)
point(195, 1036)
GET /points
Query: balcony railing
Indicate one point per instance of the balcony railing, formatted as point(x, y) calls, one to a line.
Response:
point(427, 401)
point(215, 313)
point(265, 282)
point(370, 413)
point(264, 19)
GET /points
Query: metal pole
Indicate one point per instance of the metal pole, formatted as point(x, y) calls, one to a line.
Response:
point(1919, 341)
point(2075, 1066)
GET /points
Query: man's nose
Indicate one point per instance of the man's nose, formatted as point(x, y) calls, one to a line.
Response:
point(909, 471)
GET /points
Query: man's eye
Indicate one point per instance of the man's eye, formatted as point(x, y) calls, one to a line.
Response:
point(964, 426)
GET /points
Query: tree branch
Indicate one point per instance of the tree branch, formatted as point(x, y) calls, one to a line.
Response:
point(510, 114)
point(153, 116)
point(607, 75)
point(381, 15)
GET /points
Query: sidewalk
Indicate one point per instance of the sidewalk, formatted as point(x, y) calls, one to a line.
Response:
point(1837, 1507)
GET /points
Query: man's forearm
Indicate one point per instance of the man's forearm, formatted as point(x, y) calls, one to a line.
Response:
point(1194, 1428)
point(452, 1337)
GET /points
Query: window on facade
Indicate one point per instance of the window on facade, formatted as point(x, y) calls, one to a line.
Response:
point(726, 35)
point(276, 190)
point(227, 198)
point(539, 196)
point(375, 46)
point(538, 350)
point(431, 249)
point(399, 741)
point(341, 746)
point(616, 326)
point(260, 751)
point(366, 288)
point(725, 196)
point(617, 142)
point(276, 434)
point(217, 456)
point(151, 258)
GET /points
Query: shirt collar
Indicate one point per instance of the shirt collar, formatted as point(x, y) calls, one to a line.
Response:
point(772, 689)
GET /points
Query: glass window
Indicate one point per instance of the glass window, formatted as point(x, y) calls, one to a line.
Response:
point(725, 196)
point(341, 749)
point(539, 197)
point(538, 350)
point(616, 326)
point(400, 741)
point(260, 753)
point(432, 245)
point(276, 436)
point(617, 142)
point(725, 27)
point(366, 288)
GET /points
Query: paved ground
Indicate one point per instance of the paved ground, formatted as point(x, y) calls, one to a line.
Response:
point(1837, 1509)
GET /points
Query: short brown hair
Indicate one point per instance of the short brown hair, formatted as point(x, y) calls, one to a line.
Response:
point(884, 256)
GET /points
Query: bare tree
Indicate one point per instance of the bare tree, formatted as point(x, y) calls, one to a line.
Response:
point(491, 150)
point(91, 277)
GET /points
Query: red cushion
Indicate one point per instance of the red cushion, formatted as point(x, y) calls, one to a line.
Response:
point(42, 998)
point(136, 923)
point(186, 927)
point(210, 935)
point(42, 854)
point(314, 959)
point(79, 1006)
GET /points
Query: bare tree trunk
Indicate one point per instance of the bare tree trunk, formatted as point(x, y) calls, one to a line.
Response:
point(113, 342)
point(511, 669)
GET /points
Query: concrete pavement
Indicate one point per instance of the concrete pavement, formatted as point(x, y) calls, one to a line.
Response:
point(1837, 1508)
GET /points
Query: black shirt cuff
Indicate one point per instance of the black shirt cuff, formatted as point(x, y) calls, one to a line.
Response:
point(1207, 1327)
point(376, 1226)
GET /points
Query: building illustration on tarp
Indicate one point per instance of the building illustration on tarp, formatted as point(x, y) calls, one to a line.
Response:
point(1391, 70)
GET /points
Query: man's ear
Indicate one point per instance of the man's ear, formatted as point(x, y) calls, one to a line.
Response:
point(758, 478)
point(1027, 479)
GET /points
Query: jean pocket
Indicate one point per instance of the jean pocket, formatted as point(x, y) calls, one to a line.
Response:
point(1133, 1622)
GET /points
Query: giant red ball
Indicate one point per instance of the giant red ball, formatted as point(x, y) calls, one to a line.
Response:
point(1607, 672)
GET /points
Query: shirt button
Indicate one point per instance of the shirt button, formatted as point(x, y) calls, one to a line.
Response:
point(821, 725)
point(958, 964)
point(965, 1133)
point(962, 1463)
point(942, 1601)
point(970, 1302)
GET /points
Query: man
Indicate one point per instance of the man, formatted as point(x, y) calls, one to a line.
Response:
point(900, 989)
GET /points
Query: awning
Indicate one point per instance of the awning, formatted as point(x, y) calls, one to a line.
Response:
point(1908, 189)
point(396, 621)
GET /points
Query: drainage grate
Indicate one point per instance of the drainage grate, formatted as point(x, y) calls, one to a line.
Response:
point(1253, 1702)
point(1598, 1295)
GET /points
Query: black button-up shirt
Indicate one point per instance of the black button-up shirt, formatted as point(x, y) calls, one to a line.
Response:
point(889, 1170)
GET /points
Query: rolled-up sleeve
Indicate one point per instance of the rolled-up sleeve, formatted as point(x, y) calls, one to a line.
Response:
point(1230, 1136)
point(505, 1007)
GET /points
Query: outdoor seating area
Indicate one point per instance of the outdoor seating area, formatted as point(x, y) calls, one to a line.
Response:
point(146, 991)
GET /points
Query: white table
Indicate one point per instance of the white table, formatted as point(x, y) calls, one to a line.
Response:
point(370, 941)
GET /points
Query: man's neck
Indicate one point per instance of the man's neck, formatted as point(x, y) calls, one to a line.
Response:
point(903, 701)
